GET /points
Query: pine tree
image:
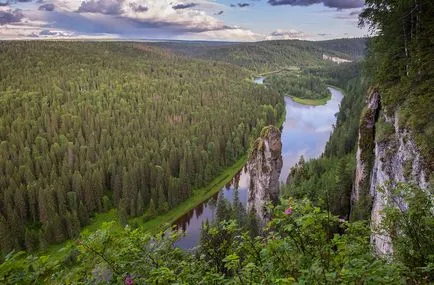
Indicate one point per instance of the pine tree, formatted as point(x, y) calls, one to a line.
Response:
point(123, 212)
point(152, 211)
point(238, 209)
point(253, 223)
point(140, 204)
point(162, 203)
point(222, 211)
point(83, 214)
point(106, 203)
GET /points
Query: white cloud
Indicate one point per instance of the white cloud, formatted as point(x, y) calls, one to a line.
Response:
point(291, 34)
point(235, 34)
point(130, 19)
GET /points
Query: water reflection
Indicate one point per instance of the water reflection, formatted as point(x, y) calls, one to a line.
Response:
point(305, 132)
point(259, 80)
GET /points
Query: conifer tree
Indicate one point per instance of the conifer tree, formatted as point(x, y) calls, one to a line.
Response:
point(123, 212)
point(140, 204)
point(252, 223)
point(152, 211)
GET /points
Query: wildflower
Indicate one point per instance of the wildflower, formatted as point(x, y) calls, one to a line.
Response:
point(288, 211)
point(128, 280)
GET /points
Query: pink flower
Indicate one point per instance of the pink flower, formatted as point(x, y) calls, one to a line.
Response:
point(288, 211)
point(128, 280)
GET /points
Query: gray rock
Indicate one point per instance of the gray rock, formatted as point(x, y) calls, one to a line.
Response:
point(264, 166)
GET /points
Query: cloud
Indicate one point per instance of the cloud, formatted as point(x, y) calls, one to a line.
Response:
point(47, 33)
point(131, 19)
point(240, 5)
point(285, 35)
point(107, 7)
point(3, 4)
point(234, 34)
point(46, 7)
point(138, 8)
point(184, 6)
point(339, 4)
point(10, 16)
point(53, 33)
point(353, 15)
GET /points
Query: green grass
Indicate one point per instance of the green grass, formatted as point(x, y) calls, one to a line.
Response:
point(317, 102)
point(311, 102)
point(164, 221)
point(55, 252)
point(156, 224)
point(287, 69)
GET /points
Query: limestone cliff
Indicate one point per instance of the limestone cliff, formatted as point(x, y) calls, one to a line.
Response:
point(386, 155)
point(361, 200)
point(264, 167)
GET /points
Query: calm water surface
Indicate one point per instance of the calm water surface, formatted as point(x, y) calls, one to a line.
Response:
point(305, 132)
point(259, 80)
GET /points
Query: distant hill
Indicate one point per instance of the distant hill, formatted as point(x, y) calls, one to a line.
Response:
point(355, 47)
point(270, 55)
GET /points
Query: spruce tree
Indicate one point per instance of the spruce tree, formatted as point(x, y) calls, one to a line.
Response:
point(123, 212)
point(253, 223)
point(140, 204)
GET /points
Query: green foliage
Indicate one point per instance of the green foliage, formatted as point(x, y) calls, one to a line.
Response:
point(304, 86)
point(308, 246)
point(83, 122)
point(383, 130)
point(409, 221)
point(268, 56)
point(327, 181)
point(400, 62)
point(345, 134)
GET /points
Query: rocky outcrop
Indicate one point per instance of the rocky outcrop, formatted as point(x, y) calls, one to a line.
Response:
point(386, 155)
point(397, 159)
point(264, 166)
point(361, 200)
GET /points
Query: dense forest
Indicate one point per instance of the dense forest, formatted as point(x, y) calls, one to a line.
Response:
point(88, 126)
point(327, 181)
point(271, 55)
point(65, 132)
point(303, 244)
point(401, 64)
point(299, 85)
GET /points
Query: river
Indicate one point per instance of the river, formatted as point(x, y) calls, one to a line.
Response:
point(305, 131)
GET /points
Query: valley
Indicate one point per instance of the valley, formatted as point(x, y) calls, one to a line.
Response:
point(305, 132)
point(208, 162)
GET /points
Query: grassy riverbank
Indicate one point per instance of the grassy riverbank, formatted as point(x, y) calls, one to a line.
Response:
point(164, 221)
point(317, 102)
point(155, 225)
point(311, 102)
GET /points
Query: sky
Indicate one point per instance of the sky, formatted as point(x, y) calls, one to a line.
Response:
point(223, 20)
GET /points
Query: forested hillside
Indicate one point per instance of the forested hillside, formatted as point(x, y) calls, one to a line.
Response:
point(271, 55)
point(89, 126)
point(327, 181)
point(85, 127)
point(401, 64)
point(299, 86)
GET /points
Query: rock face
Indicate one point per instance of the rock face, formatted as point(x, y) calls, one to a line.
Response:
point(386, 155)
point(264, 167)
point(361, 201)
